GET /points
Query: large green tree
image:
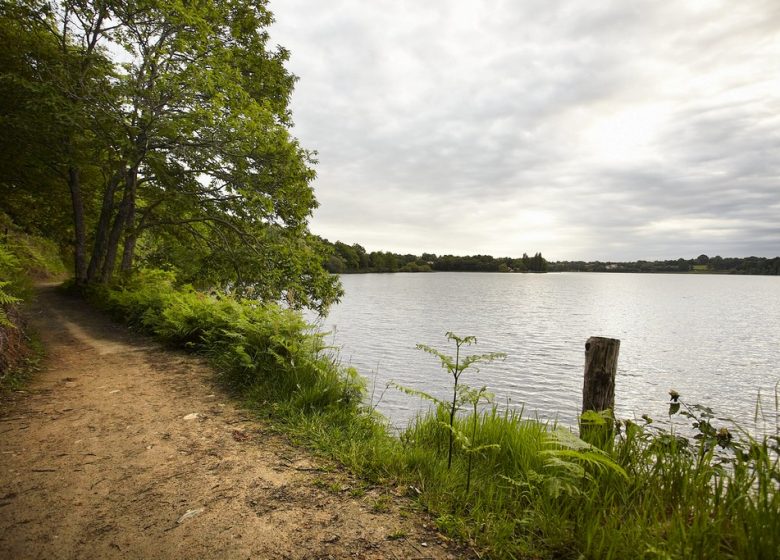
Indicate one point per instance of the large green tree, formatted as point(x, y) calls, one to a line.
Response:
point(172, 138)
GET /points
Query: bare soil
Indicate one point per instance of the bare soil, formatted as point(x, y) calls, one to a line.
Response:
point(121, 448)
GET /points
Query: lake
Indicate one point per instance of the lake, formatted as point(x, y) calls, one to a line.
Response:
point(714, 339)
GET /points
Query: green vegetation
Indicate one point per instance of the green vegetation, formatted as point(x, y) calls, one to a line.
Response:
point(23, 258)
point(346, 259)
point(455, 366)
point(156, 134)
point(261, 349)
point(701, 264)
point(515, 488)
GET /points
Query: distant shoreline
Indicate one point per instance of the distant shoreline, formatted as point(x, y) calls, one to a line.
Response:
point(355, 259)
point(552, 265)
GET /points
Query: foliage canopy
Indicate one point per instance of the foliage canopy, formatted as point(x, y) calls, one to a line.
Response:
point(149, 132)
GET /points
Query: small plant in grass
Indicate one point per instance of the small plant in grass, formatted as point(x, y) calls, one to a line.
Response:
point(320, 483)
point(455, 367)
point(709, 438)
point(719, 444)
point(473, 397)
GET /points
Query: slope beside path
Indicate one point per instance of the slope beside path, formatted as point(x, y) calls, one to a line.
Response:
point(121, 448)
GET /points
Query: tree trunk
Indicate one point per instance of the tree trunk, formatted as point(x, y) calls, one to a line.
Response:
point(131, 236)
point(120, 223)
point(101, 233)
point(79, 253)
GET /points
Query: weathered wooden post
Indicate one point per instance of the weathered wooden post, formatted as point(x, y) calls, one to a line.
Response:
point(598, 390)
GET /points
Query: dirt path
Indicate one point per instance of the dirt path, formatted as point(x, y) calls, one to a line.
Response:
point(122, 449)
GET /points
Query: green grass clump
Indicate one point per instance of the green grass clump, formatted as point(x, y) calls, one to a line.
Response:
point(515, 488)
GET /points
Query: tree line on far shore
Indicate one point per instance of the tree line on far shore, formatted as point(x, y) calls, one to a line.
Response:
point(701, 264)
point(347, 259)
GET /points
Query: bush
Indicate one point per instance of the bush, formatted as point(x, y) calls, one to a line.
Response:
point(251, 343)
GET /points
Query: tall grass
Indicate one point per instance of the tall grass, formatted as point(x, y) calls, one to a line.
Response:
point(535, 489)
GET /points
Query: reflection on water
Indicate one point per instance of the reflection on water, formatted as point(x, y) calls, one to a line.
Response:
point(715, 339)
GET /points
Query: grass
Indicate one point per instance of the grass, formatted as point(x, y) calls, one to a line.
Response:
point(536, 490)
point(382, 504)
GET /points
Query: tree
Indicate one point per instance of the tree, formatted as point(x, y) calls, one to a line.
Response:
point(182, 147)
point(365, 261)
point(349, 255)
point(48, 90)
point(383, 261)
point(537, 263)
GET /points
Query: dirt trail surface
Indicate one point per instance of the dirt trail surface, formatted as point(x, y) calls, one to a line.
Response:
point(123, 449)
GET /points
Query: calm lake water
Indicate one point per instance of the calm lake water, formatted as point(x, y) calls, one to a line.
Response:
point(715, 339)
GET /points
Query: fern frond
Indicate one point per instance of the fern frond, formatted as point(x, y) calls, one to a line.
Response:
point(416, 393)
point(565, 446)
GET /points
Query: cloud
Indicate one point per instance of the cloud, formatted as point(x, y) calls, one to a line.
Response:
point(613, 131)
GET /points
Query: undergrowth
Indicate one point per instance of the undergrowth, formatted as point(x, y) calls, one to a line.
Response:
point(515, 488)
point(23, 259)
point(24, 364)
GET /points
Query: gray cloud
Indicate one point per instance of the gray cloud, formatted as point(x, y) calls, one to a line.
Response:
point(612, 131)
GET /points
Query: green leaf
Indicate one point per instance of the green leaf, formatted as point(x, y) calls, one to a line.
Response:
point(416, 393)
point(593, 418)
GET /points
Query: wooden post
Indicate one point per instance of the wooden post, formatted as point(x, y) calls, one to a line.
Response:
point(598, 390)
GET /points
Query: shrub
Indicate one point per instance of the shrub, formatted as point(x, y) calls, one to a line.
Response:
point(251, 343)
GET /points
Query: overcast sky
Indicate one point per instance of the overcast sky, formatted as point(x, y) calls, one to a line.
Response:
point(585, 130)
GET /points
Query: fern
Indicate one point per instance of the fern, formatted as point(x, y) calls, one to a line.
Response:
point(455, 366)
point(6, 299)
point(565, 450)
point(417, 393)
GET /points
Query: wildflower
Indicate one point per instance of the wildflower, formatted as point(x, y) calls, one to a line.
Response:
point(674, 395)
